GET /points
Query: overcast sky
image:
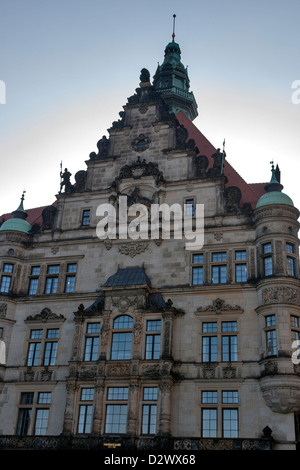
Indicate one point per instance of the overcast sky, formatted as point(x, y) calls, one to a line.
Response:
point(69, 66)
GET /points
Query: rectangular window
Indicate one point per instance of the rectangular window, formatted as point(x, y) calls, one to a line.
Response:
point(241, 255)
point(5, 284)
point(117, 393)
point(209, 422)
point(291, 266)
point(209, 348)
point(70, 278)
point(41, 422)
point(219, 274)
point(121, 346)
point(85, 411)
point(92, 342)
point(50, 353)
point(230, 396)
point(230, 423)
point(229, 326)
point(8, 268)
point(23, 421)
point(51, 285)
point(295, 321)
point(86, 217)
point(33, 285)
point(289, 248)
point(229, 348)
point(33, 354)
point(209, 327)
point(271, 320)
point(149, 419)
point(241, 272)
point(267, 248)
point(268, 265)
point(85, 419)
point(153, 340)
point(190, 207)
point(87, 394)
point(44, 398)
point(150, 393)
point(116, 417)
point(33, 282)
point(271, 343)
point(54, 269)
point(210, 397)
point(197, 269)
point(217, 257)
point(52, 282)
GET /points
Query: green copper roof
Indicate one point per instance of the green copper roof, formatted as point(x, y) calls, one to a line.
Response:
point(17, 225)
point(274, 197)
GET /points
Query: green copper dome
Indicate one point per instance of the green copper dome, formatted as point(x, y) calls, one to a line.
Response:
point(17, 223)
point(274, 194)
point(274, 197)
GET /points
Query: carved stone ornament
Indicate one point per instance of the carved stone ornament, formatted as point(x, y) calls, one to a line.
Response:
point(103, 147)
point(138, 169)
point(123, 303)
point(3, 310)
point(281, 294)
point(133, 249)
point(45, 315)
point(140, 143)
point(118, 370)
point(219, 306)
point(48, 216)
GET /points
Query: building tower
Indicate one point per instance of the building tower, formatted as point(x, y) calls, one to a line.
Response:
point(277, 245)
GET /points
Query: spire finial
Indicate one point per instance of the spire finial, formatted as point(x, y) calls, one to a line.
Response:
point(173, 35)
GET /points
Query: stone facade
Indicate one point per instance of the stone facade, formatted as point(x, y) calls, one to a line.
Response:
point(144, 343)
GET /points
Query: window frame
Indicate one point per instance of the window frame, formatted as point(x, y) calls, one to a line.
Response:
point(121, 335)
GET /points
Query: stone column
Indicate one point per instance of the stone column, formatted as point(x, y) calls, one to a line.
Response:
point(167, 335)
point(98, 407)
point(133, 408)
point(164, 425)
point(72, 388)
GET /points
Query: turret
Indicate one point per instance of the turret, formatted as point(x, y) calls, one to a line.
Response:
point(278, 290)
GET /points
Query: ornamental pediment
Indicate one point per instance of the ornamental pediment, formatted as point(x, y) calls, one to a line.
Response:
point(44, 316)
point(219, 306)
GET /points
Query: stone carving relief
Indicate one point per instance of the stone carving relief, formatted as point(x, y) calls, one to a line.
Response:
point(281, 294)
point(123, 303)
point(134, 248)
point(3, 310)
point(138, 169)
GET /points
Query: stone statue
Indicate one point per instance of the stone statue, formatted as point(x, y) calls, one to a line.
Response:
point(66, 181)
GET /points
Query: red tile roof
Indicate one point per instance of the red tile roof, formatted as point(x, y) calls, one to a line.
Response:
point(34, 215)
point(250, 192)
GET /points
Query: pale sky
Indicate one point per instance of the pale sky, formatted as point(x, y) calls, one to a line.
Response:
point(69, 66)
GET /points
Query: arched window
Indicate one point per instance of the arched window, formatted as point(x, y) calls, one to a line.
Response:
point(121, 340)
